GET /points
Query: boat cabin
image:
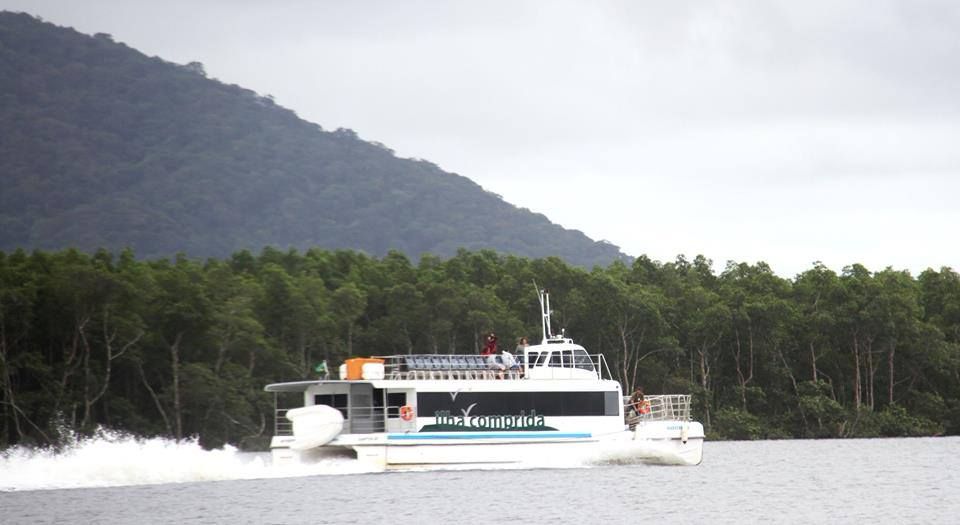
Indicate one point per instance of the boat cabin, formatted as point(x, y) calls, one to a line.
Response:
point(556, 379)
point(560, 358)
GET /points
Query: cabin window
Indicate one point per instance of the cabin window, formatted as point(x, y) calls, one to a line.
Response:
point(562, 359)
point(555, 360)
point(394, 402)
point(513, 403)
point(532, 358)
point(612, 402)
point(338, 401)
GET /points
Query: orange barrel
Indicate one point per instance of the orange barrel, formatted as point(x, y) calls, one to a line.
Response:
point(355, 366)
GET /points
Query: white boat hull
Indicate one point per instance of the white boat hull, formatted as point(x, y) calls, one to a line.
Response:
point(670, 442)
point(661, 443)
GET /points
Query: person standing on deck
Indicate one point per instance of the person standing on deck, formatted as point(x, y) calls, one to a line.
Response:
point(522, 345)
point(490, 345)
point(640, 405)
point(516, 362)
point(322, 370)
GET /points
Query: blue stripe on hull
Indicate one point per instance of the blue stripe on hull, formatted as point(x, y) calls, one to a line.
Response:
point(489, 435)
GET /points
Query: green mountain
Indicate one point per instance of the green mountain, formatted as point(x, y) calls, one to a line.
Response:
point(102, 146)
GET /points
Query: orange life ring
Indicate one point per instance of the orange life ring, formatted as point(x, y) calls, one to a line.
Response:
point(406, 412)
point(644, 407)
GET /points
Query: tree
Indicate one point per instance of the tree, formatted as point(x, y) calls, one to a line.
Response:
point(348, 303)
point(180, 322)
point(702, 319)
point(633, 326)
point(757, 301)
point(897, 310)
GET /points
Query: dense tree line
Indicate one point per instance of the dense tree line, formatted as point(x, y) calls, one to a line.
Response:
point(182, 347)
point(102, 146)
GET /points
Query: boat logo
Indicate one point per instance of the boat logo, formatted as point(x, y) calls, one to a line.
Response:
point(445, 422)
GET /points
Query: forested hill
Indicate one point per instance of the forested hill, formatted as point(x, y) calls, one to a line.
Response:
point(183, 348)
point(102, 146)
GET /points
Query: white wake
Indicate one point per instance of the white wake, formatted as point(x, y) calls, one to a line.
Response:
point(111, 459)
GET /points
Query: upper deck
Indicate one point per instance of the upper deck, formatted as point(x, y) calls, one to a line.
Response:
point(561, 361)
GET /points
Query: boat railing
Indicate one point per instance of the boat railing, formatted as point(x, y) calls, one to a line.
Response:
point(462, 366)
point(356, 419)
point(668, 407)
point(281, 425)
point(365, 420)
point(601, 363)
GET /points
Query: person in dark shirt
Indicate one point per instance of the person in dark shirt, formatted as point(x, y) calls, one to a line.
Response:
point(640, 404)
point(490, 345)
point(490, 352)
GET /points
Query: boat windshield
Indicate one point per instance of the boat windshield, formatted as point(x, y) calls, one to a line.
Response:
point(557, 359)
point(582, 360)
point(576, 358)
point(538, 358)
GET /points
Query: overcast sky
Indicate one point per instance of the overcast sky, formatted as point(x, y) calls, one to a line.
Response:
point(781, 131)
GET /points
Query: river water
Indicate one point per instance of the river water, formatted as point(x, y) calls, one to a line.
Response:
point(121, 480)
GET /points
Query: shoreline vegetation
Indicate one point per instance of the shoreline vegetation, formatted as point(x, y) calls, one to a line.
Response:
point(182, 347)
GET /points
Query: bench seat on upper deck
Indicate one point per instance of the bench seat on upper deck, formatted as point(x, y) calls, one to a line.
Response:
point(432, 366)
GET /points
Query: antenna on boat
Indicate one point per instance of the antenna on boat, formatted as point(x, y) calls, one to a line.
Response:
point(544, 296)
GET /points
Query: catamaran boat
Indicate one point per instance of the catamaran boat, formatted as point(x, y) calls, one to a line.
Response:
point(556, 401)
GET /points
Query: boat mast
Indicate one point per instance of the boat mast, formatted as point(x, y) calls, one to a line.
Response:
point(545, 313)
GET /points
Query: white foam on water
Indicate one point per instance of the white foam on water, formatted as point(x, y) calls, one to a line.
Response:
point(110, 459)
